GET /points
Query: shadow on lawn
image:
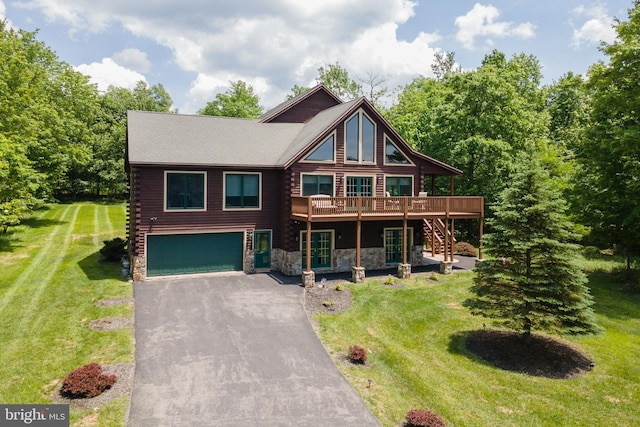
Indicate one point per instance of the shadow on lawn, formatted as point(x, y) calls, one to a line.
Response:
point(614, 297)
point(95, 269)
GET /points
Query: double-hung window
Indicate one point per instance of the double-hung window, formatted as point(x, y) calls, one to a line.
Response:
point(185, 190)
point(241, 190)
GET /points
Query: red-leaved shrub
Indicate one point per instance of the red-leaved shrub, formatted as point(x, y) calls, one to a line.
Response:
point(86, 381)
point(466, 249)
point(423, 418)
point(357, 354)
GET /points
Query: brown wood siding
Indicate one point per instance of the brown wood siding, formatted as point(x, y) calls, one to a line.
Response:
point(149, 194)
point(307, 109)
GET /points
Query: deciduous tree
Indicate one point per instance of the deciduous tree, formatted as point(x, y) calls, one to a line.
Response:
point(239, 100)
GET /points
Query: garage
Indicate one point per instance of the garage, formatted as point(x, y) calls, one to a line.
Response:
point(174, 254)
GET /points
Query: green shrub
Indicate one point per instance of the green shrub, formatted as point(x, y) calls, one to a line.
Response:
point(86, 382)
point(390, 281)
point(329, 304)
point(465, 249)
point(339, 287)
point(113, 249)
point(423, 418)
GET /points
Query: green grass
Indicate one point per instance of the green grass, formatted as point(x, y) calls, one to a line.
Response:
point(417, 358)
point(50, 281)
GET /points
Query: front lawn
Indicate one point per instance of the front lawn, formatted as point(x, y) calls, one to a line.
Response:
point(415, 337)
point(50, 284)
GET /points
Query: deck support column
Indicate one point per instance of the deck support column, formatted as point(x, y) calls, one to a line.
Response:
point(433, 237)
point(308, 257)
point(452, 246)
point(446, 239)
point(357, 272)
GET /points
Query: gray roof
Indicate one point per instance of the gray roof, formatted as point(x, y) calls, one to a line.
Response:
point(161, 138)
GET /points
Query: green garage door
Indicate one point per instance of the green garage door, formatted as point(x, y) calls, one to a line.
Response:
point(173, 254)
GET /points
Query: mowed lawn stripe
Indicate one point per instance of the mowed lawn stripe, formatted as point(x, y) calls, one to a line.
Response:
point(35, 265)
point(40, 278)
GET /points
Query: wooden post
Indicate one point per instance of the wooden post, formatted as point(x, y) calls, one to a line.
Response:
point(480, 242)
point(433, 185)
point(358, 240)
point(404, 241)
point(308, 246)
point(446, 239)
point(452, 241)
point(433, 237)
point(451, 192)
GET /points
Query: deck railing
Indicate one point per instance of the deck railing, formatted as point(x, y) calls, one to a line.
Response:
point(326, 207)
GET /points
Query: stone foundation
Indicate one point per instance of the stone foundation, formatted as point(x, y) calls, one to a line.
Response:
point(308, 279)
point(404, 271)
point(139, 268)
point(446, 267)
point(357, 274)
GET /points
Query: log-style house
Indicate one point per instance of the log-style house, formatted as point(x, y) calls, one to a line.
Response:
point(313, 185)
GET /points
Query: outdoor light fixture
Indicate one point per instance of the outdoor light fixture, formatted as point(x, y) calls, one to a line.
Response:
point(339, 235)
point(153, 219)
point(370, 381)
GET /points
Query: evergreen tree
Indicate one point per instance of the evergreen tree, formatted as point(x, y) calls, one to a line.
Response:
point(532, 280)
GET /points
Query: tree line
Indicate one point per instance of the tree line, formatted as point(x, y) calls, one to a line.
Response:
point(60, 138)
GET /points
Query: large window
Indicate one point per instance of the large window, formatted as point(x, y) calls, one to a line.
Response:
point(325, 152)
point(185, 190)
point(242, 191)
point(399, 185)
point(393, 156)
point(360, 139)
point(317, 184)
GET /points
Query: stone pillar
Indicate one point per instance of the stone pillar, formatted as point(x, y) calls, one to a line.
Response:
point(404, 271)
point(308, 279)
point(446, 267)
point(357, 274)
point(139, 268)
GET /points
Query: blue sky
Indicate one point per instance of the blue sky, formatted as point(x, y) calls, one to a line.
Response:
point(196, 47)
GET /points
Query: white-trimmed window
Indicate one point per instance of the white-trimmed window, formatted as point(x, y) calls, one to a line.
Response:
point(317, 184)
point(325, 152)
point(360, 139)
point(185, 190)
point(393, 155)
point(242, 190)
point(399, 185)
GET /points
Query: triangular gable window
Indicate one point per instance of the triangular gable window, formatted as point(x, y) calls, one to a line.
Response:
point(324, 153)
point(393, 155)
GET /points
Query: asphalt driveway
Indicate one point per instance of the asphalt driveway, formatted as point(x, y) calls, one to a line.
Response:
point(234, 350)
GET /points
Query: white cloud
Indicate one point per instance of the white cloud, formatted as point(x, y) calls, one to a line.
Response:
point(481, 21)
point(133, 59)
point(597, 27)
point(108, 73)
point(271, 45)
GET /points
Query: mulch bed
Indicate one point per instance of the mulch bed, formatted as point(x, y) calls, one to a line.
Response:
point(112, 302)
point(535, 355)
point(111, 323)
point(122, 386)
point(326, 292)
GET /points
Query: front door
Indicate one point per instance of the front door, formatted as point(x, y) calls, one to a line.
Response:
point(320, 249)
point(393, 245)
point(262, 249)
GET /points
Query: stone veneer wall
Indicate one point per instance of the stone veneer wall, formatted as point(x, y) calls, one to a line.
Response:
point(290, 263)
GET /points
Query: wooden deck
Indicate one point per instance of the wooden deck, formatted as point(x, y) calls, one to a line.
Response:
point(336, 209)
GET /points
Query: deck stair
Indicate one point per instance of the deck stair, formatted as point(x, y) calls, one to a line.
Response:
point(438, 225)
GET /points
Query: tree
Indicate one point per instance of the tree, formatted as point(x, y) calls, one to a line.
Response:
point(376, 92)
point(295, 91)
point(46, 108)
point(19, 184)
point(608, 179)
point(107, 174)
point(239, 100)
point(532, 280)
point(444, 65)
point(337, 80)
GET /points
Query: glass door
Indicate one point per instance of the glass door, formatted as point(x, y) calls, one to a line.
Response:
point(262, 249)
point(320, 249)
